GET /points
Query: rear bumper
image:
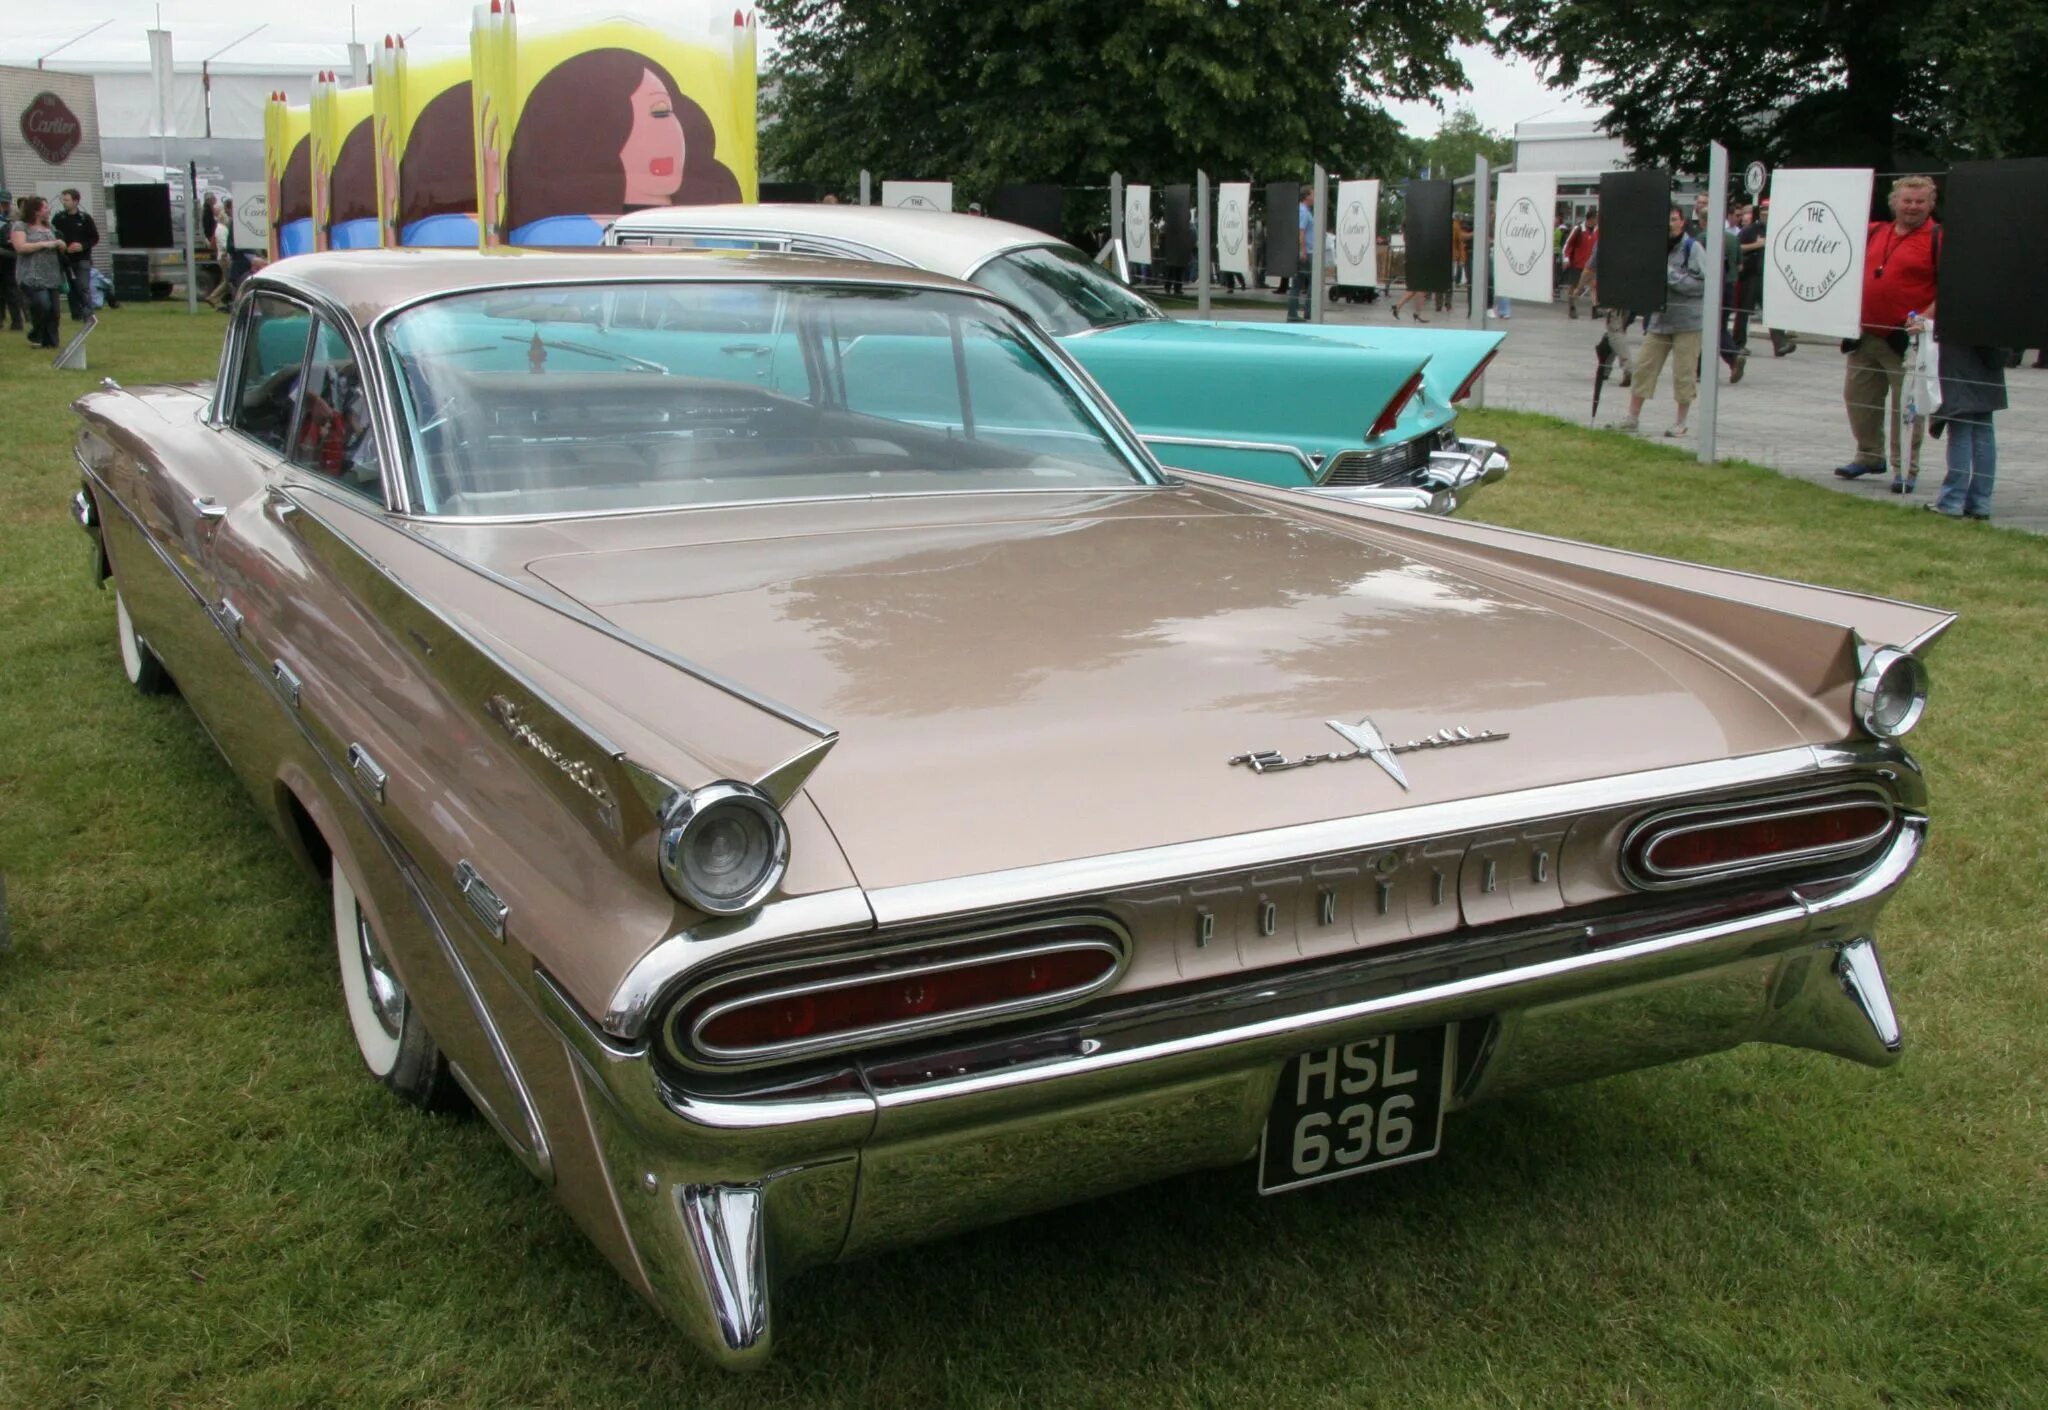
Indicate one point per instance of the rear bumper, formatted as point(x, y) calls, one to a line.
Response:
point(720, 1196)
point(1449, 479)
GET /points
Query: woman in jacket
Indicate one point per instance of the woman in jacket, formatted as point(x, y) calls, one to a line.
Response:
point(1972, 388)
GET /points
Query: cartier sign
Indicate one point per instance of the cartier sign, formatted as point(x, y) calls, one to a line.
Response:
point(50, 128)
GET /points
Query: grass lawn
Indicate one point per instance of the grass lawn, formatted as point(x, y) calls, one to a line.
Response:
point(204, 1202)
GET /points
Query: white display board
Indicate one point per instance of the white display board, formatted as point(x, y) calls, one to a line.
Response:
point(1234, 227)
point(1357, 229)
point(918, 195)
point(252, 215)
point(1138, 224)
point(1813, 251)
point(1525, 236)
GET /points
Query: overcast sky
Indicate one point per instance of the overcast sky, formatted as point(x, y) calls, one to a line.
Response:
point(1503, 93)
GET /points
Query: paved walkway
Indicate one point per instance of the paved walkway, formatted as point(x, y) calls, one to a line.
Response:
point(1785, 413)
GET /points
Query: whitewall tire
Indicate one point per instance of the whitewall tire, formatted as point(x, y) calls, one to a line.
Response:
point(138, 662)
point(389, 1032)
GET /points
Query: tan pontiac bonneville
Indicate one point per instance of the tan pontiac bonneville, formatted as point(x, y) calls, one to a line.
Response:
point(781, 747)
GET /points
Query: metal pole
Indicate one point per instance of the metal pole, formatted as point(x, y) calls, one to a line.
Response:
point(1116, 208)
point(1476, 255)
point(191, 225)
point(1714, 242)
point(1317, 244)
point(1202, 270)
point(866, 188)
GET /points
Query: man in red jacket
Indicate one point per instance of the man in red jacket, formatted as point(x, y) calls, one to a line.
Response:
point(1900, 264)
point(1578, 248)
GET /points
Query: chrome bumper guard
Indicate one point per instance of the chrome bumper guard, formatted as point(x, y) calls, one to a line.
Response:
point(721, 1195)
point(1450, 479)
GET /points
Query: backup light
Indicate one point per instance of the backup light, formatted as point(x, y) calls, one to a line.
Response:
point(723, 847)
point(1892, 693)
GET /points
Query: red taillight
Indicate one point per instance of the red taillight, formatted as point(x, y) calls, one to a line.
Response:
point(1393, 412)
point(1465, 387)
point(788, 1012)
point(1692, 846)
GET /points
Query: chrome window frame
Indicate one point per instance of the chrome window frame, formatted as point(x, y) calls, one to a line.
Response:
point(399, 487)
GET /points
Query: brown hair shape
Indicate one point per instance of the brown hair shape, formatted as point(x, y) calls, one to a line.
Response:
point(564, 158)
point(352, 185)
point(295, 186)
point(437, 170)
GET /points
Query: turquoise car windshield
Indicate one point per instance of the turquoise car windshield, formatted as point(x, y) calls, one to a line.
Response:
point(552, 399)
point(1065, 293)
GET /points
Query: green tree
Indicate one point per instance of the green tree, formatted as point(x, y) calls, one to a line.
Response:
point(1459, 143)
point(1070, 90)
point(1890, 84)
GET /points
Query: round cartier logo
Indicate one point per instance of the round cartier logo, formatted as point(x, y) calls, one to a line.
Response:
point(1812, 250)
point(50, 128)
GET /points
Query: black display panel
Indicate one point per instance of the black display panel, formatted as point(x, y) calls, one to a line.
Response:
point(789, 193)
point(1283, 227)
point(1426, 227)
point(1035, 204)
point(142, 216)
point(1993, 286)
point(1635, 239)
point(1177, 239)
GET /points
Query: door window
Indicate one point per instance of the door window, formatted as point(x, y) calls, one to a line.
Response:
point(273, 354)
point(334, 437)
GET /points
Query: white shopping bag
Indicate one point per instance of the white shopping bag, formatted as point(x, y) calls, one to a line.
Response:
point(1923, 379)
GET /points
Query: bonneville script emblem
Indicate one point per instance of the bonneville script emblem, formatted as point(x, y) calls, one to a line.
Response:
point(1368, 743)
point(585, 777)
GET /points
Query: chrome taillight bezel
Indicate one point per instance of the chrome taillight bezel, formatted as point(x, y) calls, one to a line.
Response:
point(1641, 873)
point(934, 953)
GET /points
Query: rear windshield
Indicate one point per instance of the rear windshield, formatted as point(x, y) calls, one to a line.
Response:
point(593, 398)
point(1058, 286)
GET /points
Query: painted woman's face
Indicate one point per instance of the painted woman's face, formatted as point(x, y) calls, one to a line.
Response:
point(653, 153)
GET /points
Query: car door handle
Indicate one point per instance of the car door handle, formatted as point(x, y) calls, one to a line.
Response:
point(207, 507)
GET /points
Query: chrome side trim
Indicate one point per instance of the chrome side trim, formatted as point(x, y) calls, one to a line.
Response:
point(1053, 881)
point(482, 899)
point(231, 619)
point(288, 682)
point(569, 515)
point(1117, 947)
point(82, 510)
point(1273, 446)
point(367, 772)
point(1650, 877)
point(824, 913)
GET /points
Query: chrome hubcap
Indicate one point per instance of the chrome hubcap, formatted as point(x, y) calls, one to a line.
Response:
point(387, 995)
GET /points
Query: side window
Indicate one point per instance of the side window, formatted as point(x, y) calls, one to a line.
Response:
point(273, 353)
point(334, 436)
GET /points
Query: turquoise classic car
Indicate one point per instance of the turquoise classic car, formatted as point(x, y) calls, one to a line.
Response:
point(1365, 414)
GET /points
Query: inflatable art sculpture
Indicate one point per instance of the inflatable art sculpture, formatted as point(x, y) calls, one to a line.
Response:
point(576, 126)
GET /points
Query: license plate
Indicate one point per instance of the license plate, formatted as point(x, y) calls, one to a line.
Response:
point(1356, 1107)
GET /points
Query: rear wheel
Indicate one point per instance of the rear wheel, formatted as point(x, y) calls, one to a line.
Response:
point(138, 662)
point(389, 1032)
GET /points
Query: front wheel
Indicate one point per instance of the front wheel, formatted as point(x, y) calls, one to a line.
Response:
point(389, 1032)
point(138, 662)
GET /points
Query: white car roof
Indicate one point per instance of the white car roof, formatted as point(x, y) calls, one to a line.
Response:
point(937, 241)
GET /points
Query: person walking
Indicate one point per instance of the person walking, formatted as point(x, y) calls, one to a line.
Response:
point(1578, 252)
point(1901, 262)
point(1300, 300)
point(1674, 334)
point(1972, 388)
point(39, 268)
point(10, 292)
point(75, 224)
